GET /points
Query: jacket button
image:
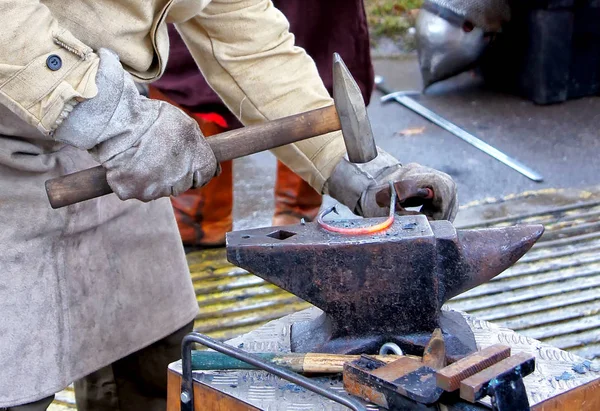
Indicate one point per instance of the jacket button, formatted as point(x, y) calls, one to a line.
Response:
point(54, 62)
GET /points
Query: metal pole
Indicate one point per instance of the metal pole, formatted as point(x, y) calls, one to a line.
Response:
point(403, 99)
point(187, 391)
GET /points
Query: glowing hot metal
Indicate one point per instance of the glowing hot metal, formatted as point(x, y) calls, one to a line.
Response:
point(361, 230)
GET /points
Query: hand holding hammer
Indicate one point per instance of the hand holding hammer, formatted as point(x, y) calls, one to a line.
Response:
point(358, 182)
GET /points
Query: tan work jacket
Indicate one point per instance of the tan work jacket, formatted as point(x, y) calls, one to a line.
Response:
point(83, 286)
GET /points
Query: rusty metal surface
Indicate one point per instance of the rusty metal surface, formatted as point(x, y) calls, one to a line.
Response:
point(231, 300)
point(434, 355)
point(387, 286)
point(263, 390)
point(402, 384)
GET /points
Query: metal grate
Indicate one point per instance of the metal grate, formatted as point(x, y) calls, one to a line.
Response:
point(553, 293)
point(233, 301)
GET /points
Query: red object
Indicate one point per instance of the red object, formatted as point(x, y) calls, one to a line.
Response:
point(204, 215)
point(295, 199)
point(213, 118)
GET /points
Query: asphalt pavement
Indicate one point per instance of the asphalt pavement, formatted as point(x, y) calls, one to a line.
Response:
point(559, 141)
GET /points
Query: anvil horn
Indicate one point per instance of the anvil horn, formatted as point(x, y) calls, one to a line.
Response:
point(488, 252)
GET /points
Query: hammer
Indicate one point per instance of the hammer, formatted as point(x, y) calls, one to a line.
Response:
point(349, 114)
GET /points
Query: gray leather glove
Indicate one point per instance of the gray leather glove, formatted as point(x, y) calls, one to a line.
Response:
point(149, 148)
point(364, 188)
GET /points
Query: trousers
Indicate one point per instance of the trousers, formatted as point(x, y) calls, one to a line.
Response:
point(137, 382)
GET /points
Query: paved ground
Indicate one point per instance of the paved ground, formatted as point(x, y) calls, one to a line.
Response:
point(560, 141)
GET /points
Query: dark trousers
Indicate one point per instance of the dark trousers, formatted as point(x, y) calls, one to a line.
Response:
point(40, 405)
point(137, 382)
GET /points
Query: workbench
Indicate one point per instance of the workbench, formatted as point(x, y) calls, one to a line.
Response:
point(561, 381)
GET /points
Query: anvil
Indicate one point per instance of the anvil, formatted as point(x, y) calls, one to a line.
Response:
point(383, 287)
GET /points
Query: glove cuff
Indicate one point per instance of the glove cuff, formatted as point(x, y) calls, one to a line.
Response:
point(84, 126)
point(349, 181)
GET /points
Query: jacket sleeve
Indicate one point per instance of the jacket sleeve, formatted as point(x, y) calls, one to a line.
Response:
point(42, 91)
point(247, 55)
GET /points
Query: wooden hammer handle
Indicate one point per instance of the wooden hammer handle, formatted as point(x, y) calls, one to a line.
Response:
point(91, 183)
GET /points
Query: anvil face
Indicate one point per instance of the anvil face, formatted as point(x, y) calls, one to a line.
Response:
point(387, 284)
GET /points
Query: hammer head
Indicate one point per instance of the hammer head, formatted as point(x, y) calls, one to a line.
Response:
point(349, 103)
point(374, 288)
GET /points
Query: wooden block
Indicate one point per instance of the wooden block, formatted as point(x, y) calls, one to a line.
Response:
point(449, 378)
point(434, 355)
point(470, 388)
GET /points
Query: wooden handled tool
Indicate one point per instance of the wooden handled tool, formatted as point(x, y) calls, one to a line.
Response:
point(91, 183)
point(311, 363)
point(401, 384)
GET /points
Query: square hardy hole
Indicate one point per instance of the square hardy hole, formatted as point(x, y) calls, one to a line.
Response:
point(281, 234)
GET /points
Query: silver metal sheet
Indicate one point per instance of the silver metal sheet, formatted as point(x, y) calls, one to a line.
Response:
point(557, 371)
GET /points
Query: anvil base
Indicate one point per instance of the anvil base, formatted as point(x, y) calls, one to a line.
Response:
point(314, 336)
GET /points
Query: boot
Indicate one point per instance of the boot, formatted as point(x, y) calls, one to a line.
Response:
point(295, 199)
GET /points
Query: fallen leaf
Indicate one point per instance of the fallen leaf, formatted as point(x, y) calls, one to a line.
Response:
point(411, 131)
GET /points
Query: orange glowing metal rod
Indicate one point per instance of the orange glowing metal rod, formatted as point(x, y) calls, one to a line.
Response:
point(362, 230)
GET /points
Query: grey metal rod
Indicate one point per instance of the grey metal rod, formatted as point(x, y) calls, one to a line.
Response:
point(403, 99)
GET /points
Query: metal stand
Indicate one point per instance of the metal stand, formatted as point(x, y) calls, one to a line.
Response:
point(187, 388)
